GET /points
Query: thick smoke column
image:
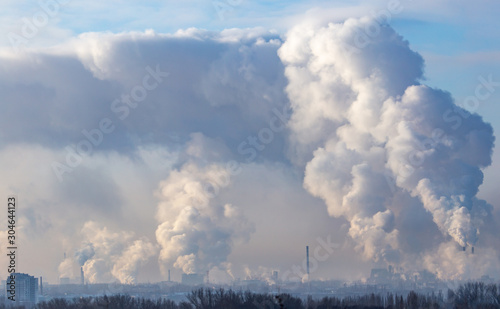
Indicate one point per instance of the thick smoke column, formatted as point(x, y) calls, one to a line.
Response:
point(85, 253)
point(196, 231)
point(368, 131)
point(107, 256)
point(137, 254)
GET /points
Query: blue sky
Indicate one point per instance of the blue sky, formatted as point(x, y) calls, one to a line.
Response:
point(446, 27)
point(450, 28)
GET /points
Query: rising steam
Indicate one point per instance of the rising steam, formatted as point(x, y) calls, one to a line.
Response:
point(196, 231)
point(380, 148)
point(107, 256)
point(367, 132)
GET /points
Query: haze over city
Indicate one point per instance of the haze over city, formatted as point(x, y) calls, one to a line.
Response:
point(148, 140)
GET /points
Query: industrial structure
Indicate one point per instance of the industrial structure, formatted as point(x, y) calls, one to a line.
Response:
point(307, 257)
point(275, 276)
point(64, 280)
point(82, 276)
point(22, 289)
point(192, 279)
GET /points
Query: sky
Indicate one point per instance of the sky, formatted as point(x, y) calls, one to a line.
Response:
point(228, 135)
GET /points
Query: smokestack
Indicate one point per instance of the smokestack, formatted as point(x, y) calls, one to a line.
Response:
point(169, 275)
point(82, 276)
point(463, 249)
point(307, 256)
point(472, 250)
point(41, 285)
point(208, 277)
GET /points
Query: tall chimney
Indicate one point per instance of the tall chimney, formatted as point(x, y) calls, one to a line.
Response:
point(307, 256)
point(41, 285)
point(82, 276)
point(169, 275)
point(463, 248)
point(472, 250)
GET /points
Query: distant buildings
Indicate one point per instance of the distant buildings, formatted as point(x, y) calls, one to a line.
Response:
point(21, 289)
point(380, 274)
point(192, 279)
point(275, 276)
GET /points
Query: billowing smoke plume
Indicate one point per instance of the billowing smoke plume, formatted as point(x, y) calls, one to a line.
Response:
point(108, 256)
point(126, 266)
point(368, 132)
point(261, 273)
point(196, 231)
point(399, 161)
point(85, 253)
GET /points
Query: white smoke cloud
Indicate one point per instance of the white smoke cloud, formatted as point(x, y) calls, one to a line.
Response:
point(98, 271)
point(361, 120)
point(447, 264)
point(396, 159)
point(261, 273)
point(85, 253)
point(75, 84)
point(440, 165)
point(106, 256)
point(127, 265)
point(67, 268)
point(222, 274)
point(196, 231)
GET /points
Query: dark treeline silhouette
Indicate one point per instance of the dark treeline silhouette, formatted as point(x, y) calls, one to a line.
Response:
point(476, 295)
point(469, 295)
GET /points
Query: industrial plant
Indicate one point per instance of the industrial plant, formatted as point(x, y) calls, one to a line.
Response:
point(394, 280)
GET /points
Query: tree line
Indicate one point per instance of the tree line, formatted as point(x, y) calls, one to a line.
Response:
point(469, 295)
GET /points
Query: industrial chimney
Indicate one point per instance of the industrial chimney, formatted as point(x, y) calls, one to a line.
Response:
point(82, 276)
point(472, 250)
point(307, 257)
point(41, 285)
point(169, 275)
point(463, 249)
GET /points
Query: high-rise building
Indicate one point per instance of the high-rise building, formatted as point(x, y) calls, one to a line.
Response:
point(22, 288)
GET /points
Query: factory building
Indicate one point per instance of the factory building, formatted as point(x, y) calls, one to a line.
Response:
point(192, 279)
